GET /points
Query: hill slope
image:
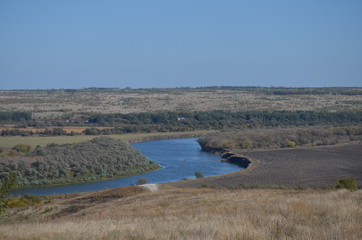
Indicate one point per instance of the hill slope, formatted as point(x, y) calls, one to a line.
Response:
point(171, 213)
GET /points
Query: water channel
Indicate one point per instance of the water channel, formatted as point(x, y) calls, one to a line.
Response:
point(179, 158)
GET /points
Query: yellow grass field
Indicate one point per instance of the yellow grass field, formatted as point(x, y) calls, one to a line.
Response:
point(33, 141)
point(173, 213)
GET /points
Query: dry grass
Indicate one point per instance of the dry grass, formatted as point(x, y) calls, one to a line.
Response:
point(56, 103)
point(198, 214)
point(33, 141)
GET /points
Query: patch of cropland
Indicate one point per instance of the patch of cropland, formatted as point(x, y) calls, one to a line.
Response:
point(171, 213)
point(99, 158)
point(313, 167)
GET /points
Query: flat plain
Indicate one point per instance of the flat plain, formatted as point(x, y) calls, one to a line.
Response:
point(54, 103)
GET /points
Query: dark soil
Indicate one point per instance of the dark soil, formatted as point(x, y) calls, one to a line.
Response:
point(316, 167)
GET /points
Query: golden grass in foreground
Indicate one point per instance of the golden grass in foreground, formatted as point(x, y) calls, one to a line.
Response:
point(199, 214)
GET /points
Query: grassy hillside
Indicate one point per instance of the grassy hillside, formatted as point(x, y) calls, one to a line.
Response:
point(171, 213)
point(99, 158)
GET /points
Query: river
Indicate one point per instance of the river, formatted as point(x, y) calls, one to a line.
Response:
point(179, 158)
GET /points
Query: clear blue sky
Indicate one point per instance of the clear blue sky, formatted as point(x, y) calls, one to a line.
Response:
point(141, 44)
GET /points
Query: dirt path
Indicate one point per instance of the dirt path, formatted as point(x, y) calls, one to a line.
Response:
point(151, 187)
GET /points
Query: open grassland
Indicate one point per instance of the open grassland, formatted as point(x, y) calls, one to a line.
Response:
point(54, 103)
point(312, 167)
point(171, 213)
point(33, 141)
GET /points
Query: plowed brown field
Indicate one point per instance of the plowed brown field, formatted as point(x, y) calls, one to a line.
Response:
point(309, 167)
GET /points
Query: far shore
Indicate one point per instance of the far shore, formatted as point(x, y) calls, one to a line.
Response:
point(33, 141)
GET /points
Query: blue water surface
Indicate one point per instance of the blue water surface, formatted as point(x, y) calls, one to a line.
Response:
point(179, 158)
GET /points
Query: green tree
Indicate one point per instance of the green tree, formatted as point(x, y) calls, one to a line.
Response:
point(199, 175)
point(6, 187)
point(347, 183)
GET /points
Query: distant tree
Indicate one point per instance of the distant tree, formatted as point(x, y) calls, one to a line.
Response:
point(92, 131)
point(142, 181)
point(199, 175)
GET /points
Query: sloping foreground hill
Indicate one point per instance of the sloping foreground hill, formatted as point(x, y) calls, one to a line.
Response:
point(171, 213)
point(99, 158)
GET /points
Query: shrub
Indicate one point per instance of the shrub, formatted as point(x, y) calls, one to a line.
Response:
point(141, 181)
point(22, 148)
point(291, 144)
point(347, 183)
point(6, 187)
point(24, 201)
point(199, 175)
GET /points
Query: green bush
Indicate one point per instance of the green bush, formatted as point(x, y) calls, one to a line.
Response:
point(6, 187)
point(24, 201)
point(199, 175)
point(347, 183)
point(142, 181)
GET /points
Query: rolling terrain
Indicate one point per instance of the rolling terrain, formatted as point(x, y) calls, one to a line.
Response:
point(174, 213)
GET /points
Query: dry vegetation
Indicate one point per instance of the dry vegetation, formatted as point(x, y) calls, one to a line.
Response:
point(33, 141)
point(133, 213)
point(54, 103)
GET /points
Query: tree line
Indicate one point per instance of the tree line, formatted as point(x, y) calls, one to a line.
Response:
point(178, 121)
point(15, 116)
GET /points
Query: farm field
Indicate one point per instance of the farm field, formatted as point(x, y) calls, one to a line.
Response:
point(174, 213)
point(317, 167)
